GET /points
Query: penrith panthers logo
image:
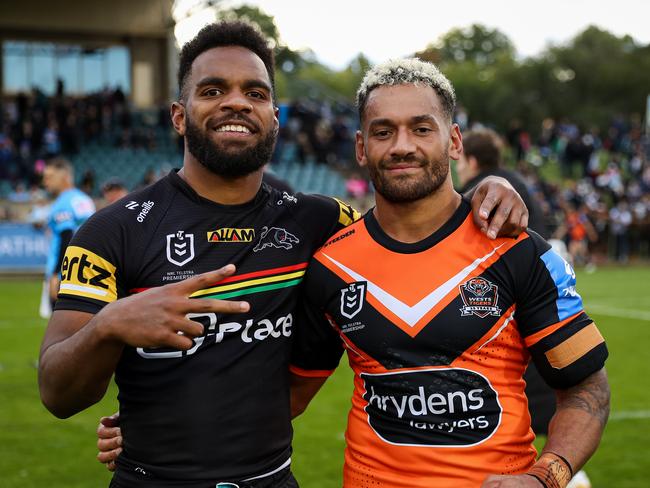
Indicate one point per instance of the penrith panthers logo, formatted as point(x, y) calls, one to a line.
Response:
point(275, 237)
point(480, 298)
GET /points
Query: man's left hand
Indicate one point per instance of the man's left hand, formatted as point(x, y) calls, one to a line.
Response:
point(495, 196)
point(516, 481)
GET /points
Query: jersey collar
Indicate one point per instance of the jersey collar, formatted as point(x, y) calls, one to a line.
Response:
point(180, 184)
point(379, 236)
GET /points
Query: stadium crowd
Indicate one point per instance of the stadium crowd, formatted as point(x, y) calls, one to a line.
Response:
point(593, 186)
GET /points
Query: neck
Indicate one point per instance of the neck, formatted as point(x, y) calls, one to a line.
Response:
point(64, 189)
point(226, 191)
point(414, 221)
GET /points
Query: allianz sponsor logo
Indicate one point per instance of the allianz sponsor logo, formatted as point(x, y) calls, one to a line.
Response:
point(437, 407)
point(252, 330)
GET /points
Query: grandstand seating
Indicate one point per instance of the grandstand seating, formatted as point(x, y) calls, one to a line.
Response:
point(131, 164)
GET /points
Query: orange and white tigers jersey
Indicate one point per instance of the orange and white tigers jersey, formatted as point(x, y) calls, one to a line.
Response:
point(439, 334)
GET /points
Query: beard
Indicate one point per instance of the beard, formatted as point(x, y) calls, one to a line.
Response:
point(227, 163)
point(409, 188)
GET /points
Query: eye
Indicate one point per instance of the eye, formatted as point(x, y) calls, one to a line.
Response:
point(423, 130)
point(382, 133)
point(257, 94)
point(212, 92)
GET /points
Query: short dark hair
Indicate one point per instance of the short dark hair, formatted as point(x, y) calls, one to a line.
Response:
point(113, 184)
point(485, 145)
point(61, 164)
point(220, 34)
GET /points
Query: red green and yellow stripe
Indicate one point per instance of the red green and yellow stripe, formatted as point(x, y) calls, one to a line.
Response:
point(251, 283)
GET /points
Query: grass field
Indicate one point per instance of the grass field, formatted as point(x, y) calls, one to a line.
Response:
point(39, 450)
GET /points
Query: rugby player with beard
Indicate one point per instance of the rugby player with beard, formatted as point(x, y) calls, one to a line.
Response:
point(190, 304)
point(440, 333)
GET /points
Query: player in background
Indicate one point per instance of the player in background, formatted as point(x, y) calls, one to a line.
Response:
point(440, 334)
point(113, 190)
point(70, 209)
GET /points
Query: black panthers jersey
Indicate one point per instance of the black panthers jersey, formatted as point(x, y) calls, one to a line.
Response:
point(438, 334)
point(220, 410)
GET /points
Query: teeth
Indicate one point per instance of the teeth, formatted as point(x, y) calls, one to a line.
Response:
point(233, 128)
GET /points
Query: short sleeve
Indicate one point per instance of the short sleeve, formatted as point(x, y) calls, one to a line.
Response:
point(322, 216)
point(317, 347)
point(92, 270)
point(562, 339)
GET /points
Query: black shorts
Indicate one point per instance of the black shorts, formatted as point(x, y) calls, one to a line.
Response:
point(281, 479)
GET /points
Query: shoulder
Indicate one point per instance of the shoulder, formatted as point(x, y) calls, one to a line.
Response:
point(338, 211)
point(343, 239)
point(130, 217)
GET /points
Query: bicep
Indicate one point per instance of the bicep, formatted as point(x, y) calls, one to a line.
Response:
point(63, 324)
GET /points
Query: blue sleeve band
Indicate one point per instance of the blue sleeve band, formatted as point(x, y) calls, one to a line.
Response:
point(569, 301)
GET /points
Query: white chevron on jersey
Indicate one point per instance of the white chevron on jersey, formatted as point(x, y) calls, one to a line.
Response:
point(411, 315)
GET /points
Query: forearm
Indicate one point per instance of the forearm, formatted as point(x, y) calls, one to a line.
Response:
point(74, 373)
point(577, 426)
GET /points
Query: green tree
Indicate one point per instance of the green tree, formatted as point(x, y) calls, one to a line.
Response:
point(476, 43)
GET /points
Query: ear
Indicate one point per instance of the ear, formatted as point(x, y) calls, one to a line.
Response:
point(455, 142)
point(360, 149)
point(276, 118)
point(177, 113)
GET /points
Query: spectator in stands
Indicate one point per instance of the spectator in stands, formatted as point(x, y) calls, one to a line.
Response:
point(620, 221)
point(579, 232)
point(113, 190)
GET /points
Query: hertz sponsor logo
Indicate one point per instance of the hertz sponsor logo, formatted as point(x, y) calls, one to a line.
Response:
point(85, 274)
point(230, 234)
point(437, 408)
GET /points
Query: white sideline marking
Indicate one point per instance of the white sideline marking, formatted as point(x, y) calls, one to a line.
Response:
point(630, 414)
point(618, 312)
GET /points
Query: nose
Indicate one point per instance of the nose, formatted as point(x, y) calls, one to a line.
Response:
point(403, 146)
point(236, 101)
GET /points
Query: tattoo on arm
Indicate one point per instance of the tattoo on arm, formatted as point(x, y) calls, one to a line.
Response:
point(591, 396)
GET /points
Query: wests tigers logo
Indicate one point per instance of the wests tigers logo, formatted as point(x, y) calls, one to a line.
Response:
point(480, 298)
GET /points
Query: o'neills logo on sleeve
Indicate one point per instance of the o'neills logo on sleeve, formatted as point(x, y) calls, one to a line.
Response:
point(450, 407)
point(231, 234)
point(85, 274)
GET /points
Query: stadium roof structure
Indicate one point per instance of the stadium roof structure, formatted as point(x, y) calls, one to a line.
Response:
point(145, 27)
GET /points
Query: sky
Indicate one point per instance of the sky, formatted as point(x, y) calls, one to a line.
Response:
point(337, 30)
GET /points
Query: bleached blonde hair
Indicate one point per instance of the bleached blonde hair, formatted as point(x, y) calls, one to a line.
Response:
point(407, 71)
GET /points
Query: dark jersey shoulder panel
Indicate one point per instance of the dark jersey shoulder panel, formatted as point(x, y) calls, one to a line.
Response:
point(551, 315)
point(105, 253)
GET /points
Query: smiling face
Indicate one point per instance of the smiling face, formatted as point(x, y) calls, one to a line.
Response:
point(406, 142)
point(228, 118)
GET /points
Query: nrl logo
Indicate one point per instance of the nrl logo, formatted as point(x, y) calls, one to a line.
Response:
point(180, 248)
point(352, 299)
point(480, 298)
point(275, 237)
